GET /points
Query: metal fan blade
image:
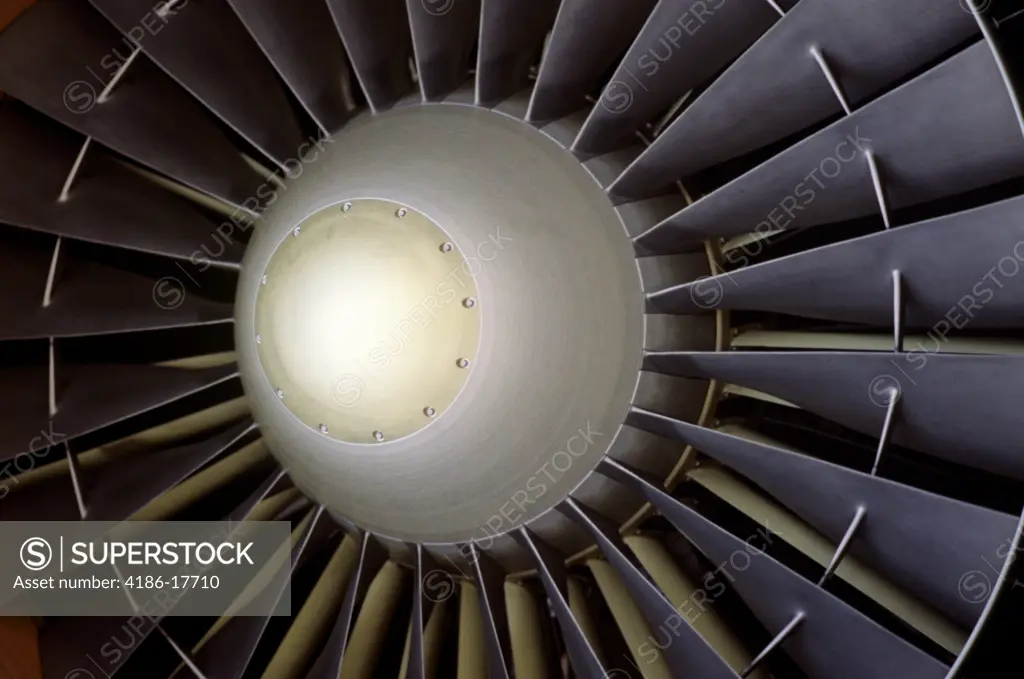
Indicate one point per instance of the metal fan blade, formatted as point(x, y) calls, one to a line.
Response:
point(588, 36)
point(53, 500)
point(681, 46)
point(423, 605)
point(24, 411)
point(379, 46)
point(443, 35)
point(206, 49)
point(924, 542)
point(490, 583)
point(511, 34)
point(300, 41)
point(827, 177)
point(472, 654)
point(277, 478)
point(227, 654)
point(49, 59)
point(90, 397)
point(689, 654)
point(311, 625)
point(551, 569)
point(371, 558)
point(833, 640)
point(67, 644)
point(92, 298)
point(852, 280)
point(939, 395)
point(104, 203)
point(117, 492)
point(869, 46)
point(530, 631)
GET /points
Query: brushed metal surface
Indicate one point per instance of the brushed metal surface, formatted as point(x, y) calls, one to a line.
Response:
point(562, 325)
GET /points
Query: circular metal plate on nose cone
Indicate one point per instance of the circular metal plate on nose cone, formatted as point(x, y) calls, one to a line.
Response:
point(363, 319)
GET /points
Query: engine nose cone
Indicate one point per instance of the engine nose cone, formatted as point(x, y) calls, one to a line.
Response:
point(440, 324)
point(368, 321)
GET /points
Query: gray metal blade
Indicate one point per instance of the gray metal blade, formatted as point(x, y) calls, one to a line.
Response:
point(443, 35)
point(587, 38)
point(91, 298)
point(550, 566)
point(511, 35)
point(58, 57)
point(688, 655)
point(24, 412)
point(116, 492)
point(371, 558)
point(957, 265)
point(923, 542)
point(205, 48)
point(228, 653)
point(915, 133)
point(421, 607)
point(490, 583)
point(106, 204)
point(277, 478)
point(299, 39)
point(90, 397)
point(940, 395)
point(53, 500)
point(835, 640)
point(379, 45)
point(679, 48)
point(871, 44)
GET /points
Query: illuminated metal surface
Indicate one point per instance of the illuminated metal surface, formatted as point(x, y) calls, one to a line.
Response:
point(362, 316)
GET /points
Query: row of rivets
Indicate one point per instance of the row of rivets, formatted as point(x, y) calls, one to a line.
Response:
point(468, 303)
